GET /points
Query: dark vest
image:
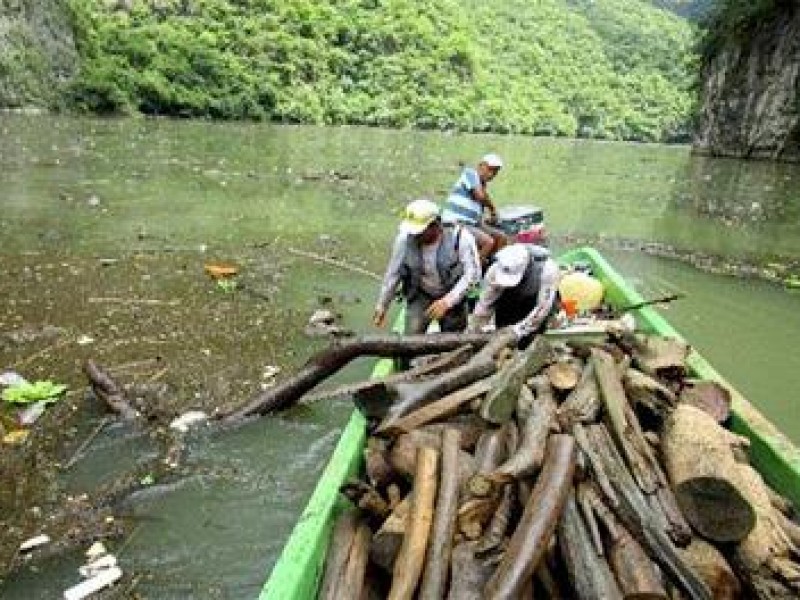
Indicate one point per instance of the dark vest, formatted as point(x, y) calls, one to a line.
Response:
point(447, 263)
point(515, 303)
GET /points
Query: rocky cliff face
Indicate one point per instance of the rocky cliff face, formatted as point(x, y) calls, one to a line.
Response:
point(751, 93)
point(37, 52)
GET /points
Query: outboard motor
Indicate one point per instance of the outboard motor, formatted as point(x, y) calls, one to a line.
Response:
point(522, 224)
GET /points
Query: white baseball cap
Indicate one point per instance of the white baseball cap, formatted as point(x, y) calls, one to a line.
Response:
point(418, 215)
point(509, 266)
point(493, 160)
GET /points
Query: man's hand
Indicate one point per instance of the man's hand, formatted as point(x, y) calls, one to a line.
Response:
point(379, 317)
point(438, 309)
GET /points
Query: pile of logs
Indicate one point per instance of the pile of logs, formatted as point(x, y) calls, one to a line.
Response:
point(565, 470)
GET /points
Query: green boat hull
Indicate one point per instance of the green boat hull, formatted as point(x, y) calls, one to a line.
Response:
point(297, 574)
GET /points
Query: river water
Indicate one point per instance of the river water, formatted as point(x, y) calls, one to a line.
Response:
point(106, 225)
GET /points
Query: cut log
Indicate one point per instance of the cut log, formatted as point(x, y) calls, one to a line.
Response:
point(439, 409)
point(765, 560)
point(633, 448)
point(403, 453)
point(387, 540)
point(470, 426)
point(713, 569)
point(410, 561)
point(408, 397)
point(649, 394)
point(639, 519)
point(659, 356)
point(376, 458)
point(636, 575)
point(583, 403)
point(536, 415)
point(500, 402)
point(496, 530)
point(469, 573)
point(703, 473)
point(434, 581)
point(437, 365)
point(344, 532)
point(539, 520)
point(352, 584)
point(710, 396)
point(563, 375)
point(589, 575)
point(367, 498)
point(329, 361)
point(475, 514)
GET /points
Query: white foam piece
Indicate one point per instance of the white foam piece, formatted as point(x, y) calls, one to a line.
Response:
point(88, 587)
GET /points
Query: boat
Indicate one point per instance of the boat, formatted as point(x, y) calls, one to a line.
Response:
point(297, 573)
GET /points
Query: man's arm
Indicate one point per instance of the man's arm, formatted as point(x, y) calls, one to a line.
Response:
point(391, 279)
point(544, 301)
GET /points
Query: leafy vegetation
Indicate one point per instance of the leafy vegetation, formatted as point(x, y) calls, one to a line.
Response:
point(617, 69)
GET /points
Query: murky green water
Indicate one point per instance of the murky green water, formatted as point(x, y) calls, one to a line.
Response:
point(160, 198)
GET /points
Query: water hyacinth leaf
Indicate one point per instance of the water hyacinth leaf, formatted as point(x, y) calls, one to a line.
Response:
point(26, 393)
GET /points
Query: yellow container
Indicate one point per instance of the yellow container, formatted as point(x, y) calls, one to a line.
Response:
point(584, 289)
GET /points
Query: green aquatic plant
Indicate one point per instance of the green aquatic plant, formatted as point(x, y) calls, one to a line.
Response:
point(27, 393)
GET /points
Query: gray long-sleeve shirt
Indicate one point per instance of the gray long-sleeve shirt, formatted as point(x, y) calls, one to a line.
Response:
point(430, 281)
point(544, 302)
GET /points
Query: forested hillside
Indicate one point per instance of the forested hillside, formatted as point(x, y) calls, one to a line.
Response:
point(617, 69)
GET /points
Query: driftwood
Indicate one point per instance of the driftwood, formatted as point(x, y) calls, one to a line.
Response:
point(703, 472)
point(615, 403)
point(538, 522)
point(664, 500)
point(403, 454)
point(344, 532)
point(469, 573)
point(583, 403)
point(376, 458)
point(589, 574)
point(657, 355)
point(352, 583)
point(637, 576)
point(713, 569)
point(766, 560)
point(499, 404)
point(649, 394)
point(435, 366)
point(475, 514)
point(387, 540)
point(329, 361)
point(563, 375)
point(638, 518)
point(367, 498)
point(708, 396)
point(536, 415)
point(434, 581)
point(108, 390)
point(410, 560)
point(408, 397)
point(438, 409)
point(496, 530)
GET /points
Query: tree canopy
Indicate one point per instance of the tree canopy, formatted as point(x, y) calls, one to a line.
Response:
point(616, 69)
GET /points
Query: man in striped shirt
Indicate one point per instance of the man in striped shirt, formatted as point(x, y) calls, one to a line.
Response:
point(469, 200)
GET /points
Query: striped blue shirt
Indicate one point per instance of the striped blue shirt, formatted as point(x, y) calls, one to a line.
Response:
point(460, 206)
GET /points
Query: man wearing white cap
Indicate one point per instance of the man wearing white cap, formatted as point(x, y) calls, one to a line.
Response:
point(469, 199)
point(521, 290)
point(434, 266)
